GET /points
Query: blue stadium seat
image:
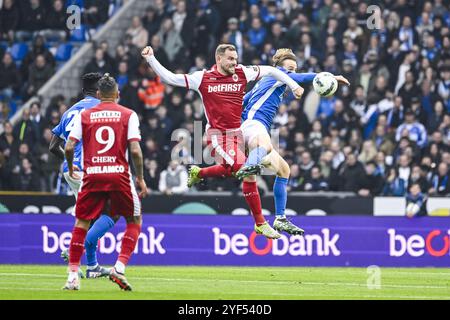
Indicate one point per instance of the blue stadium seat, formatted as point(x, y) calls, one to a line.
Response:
point(79, 3)
point(78, 35)
point(63, 52)
point(19, 51)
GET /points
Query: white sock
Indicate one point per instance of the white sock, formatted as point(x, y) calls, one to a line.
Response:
point(120, 267)
point(72, 276)
point(92, 267)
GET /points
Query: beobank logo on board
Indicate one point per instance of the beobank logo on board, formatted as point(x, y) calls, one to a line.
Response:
point(322, 244)
point(436, 243)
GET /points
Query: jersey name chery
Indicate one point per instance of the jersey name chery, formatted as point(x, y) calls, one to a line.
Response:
point(106, 130)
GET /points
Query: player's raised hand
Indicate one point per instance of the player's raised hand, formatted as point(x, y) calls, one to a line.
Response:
point(342, 79)
point(147, 52)
point(298, 92)
point(143, 186)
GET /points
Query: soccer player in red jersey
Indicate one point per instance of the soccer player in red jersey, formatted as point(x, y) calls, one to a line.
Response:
point(107, 131)
point(222, 90)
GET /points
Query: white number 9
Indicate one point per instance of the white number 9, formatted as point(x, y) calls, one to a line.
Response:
point(110, 140)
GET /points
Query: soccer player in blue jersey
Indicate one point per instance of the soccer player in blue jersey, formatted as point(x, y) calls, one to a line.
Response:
point(60, 134)
point(260, 107)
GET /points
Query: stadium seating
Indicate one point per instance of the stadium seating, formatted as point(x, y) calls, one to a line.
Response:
point(19, 51)
point(63, 52)
point(79, 34)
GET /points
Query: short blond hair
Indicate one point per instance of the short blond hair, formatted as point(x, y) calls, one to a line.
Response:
point(281, 55)
point(221, 48)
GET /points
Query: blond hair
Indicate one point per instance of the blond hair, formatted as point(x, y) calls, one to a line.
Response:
point(221, 48)
point(281, 55)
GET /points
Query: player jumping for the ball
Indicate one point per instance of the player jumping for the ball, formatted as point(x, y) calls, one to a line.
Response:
point(222, 90)
point(260, 107)
point(107, 131)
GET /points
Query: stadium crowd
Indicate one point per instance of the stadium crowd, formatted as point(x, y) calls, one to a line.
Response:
point(389, 129)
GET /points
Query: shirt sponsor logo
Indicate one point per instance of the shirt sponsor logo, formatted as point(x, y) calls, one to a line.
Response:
point(225, 88)
point(105, 116)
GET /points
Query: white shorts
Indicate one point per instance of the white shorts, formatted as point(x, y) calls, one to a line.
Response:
point(74, 184)
point(251, 129)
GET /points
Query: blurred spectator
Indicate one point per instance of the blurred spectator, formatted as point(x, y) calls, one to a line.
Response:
point(138, 33)
point(9, 20)
point(151, 92)
point(27, 179)
point(412, 129)
point(26, 131)
point(99, 63)
point(32, 19)
point(173, 180)
point(417, 176)
point(158, 50)
point(350, 174)
point(371, 183)
point(257, 33)
point(171, 39)
point(394, 185)
point(440, 184)
point(38, 48)
point(38, 74)
point(316, 182)
point(151, 174)
point(95, 12)
point(416, 202)
point(9, 77)
point(151, 21)
point(368, 152)
point(55, 22)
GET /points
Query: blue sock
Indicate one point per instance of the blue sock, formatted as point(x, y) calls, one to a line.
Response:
point(256, 156)
point(280, 195)
point(98, 230)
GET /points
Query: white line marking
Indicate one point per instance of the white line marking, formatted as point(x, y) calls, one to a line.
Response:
point(275, 282)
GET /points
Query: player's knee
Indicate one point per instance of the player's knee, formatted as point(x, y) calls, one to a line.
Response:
point(285, 170)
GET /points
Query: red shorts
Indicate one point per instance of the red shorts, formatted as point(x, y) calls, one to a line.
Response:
point(91, 204)
point(227, 148)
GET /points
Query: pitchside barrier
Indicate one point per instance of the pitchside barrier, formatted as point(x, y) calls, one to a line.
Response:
point(353, 241)
point(309, 204)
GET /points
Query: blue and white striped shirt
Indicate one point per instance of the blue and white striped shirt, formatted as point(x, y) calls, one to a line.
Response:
point(263, 101)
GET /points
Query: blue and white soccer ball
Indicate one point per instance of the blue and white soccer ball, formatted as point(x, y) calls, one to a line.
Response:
point(325, 84)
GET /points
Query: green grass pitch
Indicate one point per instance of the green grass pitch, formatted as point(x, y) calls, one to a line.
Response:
point(241, 283)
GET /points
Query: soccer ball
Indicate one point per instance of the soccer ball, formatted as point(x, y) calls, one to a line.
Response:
point(325, 84)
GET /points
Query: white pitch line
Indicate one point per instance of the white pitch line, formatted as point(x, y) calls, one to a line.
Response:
point(347, 284)
point(307, 296)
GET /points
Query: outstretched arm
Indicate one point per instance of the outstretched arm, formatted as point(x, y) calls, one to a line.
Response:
point(283, 77)
point(179, 80)
point(307, 78)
